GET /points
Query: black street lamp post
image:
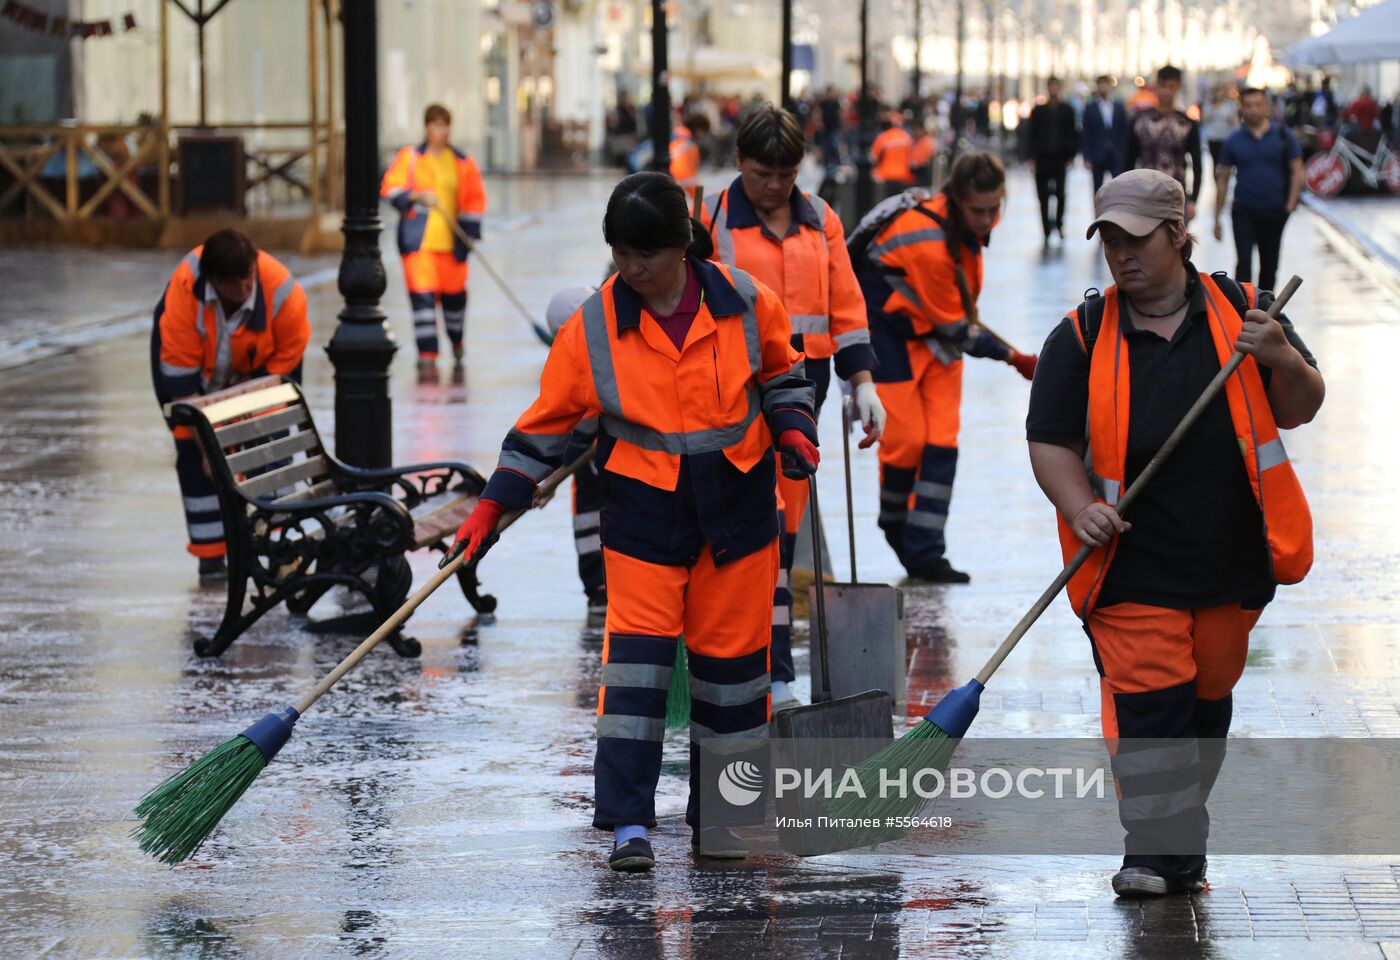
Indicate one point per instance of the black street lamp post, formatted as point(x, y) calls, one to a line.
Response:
point(362, 346)
point(865, 111)
point(785, 95)
point(660, 91)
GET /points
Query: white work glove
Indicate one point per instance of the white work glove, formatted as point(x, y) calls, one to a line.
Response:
point(870, 411)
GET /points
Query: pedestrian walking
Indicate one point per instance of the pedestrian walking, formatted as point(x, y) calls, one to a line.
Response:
point(1166, 139)
point(1268, 165)
point(688, 366)
point(792, 242)
point(831, 111)
point(1172, 591)
point(1104, 131)
point(890, 154)
point(919, 262)
point(1364, 113)
point(1054, 142)
point(431, 184)
point(1220, 118)
point(230, 312)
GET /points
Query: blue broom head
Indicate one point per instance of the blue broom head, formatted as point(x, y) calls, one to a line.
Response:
point(958, 708)
point(271, 733)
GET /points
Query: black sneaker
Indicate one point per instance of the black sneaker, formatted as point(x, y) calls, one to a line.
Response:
point(212, 568)
point(1136, 883)
point(940, 571)
point(634, 856)
point(718, 843)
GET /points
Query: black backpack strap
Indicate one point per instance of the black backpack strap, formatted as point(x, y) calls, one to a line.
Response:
point(1090, 317)
point(1233, 291)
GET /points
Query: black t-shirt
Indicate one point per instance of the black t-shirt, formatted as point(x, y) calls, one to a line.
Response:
point(1198, 537)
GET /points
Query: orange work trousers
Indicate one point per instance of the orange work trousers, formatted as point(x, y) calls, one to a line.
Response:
point(724, 613)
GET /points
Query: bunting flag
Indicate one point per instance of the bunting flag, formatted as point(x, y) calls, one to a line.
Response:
point(40, 22)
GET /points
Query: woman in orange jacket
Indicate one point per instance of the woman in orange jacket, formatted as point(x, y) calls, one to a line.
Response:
point(688, 367)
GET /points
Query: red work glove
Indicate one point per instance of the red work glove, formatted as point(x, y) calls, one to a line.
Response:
point(475, 532)
point(1023, 362)
point(800, 457)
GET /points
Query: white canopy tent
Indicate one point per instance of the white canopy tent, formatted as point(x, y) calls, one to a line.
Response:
point(1371, 35)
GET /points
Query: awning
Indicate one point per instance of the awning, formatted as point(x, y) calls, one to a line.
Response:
point(1371, 35)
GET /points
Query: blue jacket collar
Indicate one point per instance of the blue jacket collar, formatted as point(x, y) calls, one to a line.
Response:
point(742, 214)
point(717, 293)
point(422, 150)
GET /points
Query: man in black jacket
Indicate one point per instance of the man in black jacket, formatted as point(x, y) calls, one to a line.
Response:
point(1052, 145)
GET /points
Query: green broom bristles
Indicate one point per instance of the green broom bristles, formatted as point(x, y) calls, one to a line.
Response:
point(925, 746)
point(678, 695)
point(179, 815)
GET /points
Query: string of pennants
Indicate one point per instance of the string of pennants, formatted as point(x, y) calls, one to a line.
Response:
point(41, 22)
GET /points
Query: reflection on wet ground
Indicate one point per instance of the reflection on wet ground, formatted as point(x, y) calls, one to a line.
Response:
point(440, 807)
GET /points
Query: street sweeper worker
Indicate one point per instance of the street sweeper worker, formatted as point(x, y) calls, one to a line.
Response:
point(793, 243)
point(919, 261)
point(230, 312)
point(1173, 589)
point(429, 183)
point(689, 367)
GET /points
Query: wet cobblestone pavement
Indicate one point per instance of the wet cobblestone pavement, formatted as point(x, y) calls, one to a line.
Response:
point(440, 807)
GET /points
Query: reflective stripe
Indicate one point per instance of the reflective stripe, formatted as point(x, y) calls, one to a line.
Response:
point(745, 285)
point(170, 370)
point(648, 675)
point(927, 519)
point(589, 544)
point(212, 530)
point(782, 579)
point(522, 462)
point(934, 491)
point(469, 217)
point(547, 444)
point(1271, 454)
point(782, 616)
point(852, 337)
point(901, 286)
point(693, 441)
point(894, 497)
point(944, 351)
point(1105, 490)
point(743, 739)
point(588, 520)
point(893, 516)
point(1164, 759)
point(820, 208)
point(192, 261)
point(207, 504)
point(724, 237)
point(595, 329)
point(1158, 806)
point(624, 727)
point(730, 694)
point(904, 240)
point(283, 291)
point(809, 322)
point(395, 193)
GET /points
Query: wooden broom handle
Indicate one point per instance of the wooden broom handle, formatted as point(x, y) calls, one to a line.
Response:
point(475, 248)
point(1207, 396)
point(308, 699)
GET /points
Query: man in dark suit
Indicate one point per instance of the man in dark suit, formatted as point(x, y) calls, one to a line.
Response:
point(1052, 145)
point(1104, 125)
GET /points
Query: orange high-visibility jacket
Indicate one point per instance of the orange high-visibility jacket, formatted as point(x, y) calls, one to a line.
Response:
point(809, 269)
point(408, 174)
point(923, 151)
point(1287, 519)
point(716, 404)
point(685, 158)
point(909, 258)
point(198, 353)
point(890, 151)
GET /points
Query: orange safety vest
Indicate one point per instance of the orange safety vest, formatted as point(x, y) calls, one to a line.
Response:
point(809, 269)
point(890, 151)
point(685, 158)
point(736, 375)
point(198, 353)
point(923, 151)
point(407, 175)
point(1287, 519)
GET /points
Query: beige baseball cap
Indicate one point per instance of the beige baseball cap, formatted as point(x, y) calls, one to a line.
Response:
point(1138, 201)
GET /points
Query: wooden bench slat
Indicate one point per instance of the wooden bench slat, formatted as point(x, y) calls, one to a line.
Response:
point(247, 403)
point(242, 431)
point(272, 451)
point(311, 468)
point(438, 518)
point(324, 488)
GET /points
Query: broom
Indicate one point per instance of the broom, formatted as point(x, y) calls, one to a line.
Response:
point(545, 337)
point(930, 744)
point(180, 814)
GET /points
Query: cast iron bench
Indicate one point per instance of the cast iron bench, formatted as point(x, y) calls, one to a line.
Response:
point(298, 522)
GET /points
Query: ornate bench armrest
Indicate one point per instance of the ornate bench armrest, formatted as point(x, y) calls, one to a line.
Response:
point(413, 483)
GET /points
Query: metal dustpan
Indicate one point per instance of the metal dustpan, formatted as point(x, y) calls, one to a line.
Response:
point(834, 733)
point(869, 619)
